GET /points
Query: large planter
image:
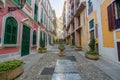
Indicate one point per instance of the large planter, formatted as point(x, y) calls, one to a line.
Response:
point(42, 51)
point(78, 49)
point(61, 53)
point(92, 57)
point(72, 46)
point(11, 74)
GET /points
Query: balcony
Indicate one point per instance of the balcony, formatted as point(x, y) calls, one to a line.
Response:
point(80, 8)
point(90, 9)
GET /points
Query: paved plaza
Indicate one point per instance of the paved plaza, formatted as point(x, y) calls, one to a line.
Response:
point(74, 66)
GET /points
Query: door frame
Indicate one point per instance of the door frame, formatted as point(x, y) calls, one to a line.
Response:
point(117, 51)
point(21, 38)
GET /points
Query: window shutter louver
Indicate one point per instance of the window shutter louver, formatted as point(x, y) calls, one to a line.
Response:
point(111, 17)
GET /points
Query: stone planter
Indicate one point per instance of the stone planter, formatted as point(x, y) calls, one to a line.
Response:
point(78, 49)
point(62, 53)
point(72, 46)
point(12, 74)
point(92, 57)
point(42, 51)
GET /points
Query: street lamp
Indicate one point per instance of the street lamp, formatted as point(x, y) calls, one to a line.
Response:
point(20, 6)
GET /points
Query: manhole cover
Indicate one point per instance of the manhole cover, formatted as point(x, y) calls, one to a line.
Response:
point(72, 58)
point(47, 71)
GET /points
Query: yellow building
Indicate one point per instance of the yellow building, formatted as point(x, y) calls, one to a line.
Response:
point(98, 19)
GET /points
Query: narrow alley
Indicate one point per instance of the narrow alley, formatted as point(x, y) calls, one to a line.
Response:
point(74, 66)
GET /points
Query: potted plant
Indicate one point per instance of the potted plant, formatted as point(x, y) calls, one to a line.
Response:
point(9, 70)
point(61, 47)
point(42, 48)
point(78, 48)
point(92, 53)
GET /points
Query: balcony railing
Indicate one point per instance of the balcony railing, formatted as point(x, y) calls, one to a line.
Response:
point(90, 9)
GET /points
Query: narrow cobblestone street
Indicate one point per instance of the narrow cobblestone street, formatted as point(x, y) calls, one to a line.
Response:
point(47, 67)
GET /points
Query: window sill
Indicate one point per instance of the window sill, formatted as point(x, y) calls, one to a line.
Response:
point(9, 45)
point(91, 29)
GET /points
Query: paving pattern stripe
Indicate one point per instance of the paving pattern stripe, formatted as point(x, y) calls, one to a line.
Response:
point(65, 70)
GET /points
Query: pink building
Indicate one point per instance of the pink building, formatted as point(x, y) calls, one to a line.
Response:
point(19, 29)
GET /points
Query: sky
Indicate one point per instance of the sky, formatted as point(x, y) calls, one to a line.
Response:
point(57, 5)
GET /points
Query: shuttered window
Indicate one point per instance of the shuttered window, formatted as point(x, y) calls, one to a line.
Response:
point(118, 15)
point(16, 1)
point(41, 16)
point(36, 12)
point(34, 37)
point(29, 1)
point(91, 24)
point(11, 27)
point(111, 17)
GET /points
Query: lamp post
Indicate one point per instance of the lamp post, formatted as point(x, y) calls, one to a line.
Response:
point(20, 6)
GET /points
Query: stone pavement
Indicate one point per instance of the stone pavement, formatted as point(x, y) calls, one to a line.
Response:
point(45, 68)
point(65, 70)
point(30, 60)
point(109, 67)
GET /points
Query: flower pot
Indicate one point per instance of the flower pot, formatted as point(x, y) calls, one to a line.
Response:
point(62, 53)
point(72, 46)
point(92, 57)
point(42, 51)
point(78, 49)
point(11, 74)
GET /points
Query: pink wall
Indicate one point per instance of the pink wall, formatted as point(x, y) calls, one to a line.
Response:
point(19, 16)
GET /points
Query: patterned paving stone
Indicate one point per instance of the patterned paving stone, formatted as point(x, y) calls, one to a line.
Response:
point(65, 70)
point(47, 71)
point(72, 58)
point(66, 77)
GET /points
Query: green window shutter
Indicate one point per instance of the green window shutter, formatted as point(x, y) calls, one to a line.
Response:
point(16, 1)
point(34, 37)
point(36, 12)
point(91, 24)
point(41, 16)
point(11, 27)
point(29, 1)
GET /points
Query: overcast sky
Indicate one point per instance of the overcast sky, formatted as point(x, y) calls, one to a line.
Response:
point(57, 5)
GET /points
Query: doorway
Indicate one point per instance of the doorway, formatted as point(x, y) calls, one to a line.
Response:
point(25, 46)
point(118, 48)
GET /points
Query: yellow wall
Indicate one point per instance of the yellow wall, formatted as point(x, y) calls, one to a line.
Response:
point(108, 38)
point(93, 15)
point(118, 34)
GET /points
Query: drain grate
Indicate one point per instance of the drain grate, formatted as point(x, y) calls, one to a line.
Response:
point(72, 58)
point(47, 71)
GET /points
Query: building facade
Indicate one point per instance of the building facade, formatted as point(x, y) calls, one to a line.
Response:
point(98, 19)
point(19, 29)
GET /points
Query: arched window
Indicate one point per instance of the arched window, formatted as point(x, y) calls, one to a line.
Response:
point(34, 37)
point(11, 28)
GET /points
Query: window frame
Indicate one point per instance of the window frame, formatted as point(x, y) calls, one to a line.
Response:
point(17, 30)
point(34, 38)
point(91, 28)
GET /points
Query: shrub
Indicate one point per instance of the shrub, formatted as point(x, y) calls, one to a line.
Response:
point(79, 47)
point(42, 48)
point(42, 43)
point(92, 44)
point(61, 46)
point(94, 52)
point(92, 48)
point(10, 65)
